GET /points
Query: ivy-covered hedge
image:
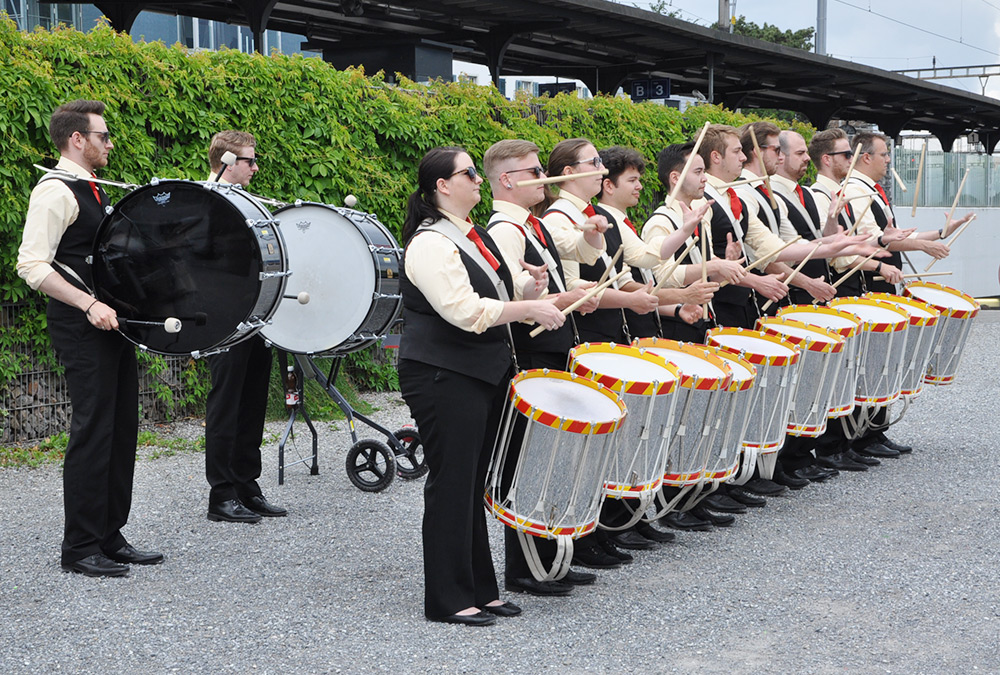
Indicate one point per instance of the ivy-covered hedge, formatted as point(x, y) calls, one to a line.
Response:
point(322, 133)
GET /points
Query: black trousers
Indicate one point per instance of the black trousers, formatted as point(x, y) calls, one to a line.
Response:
point(737, 316)
point(458, 417)
point(234, 420)
point(677, 329)
point(102, 377)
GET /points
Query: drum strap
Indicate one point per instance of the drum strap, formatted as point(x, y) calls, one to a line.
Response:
point(69, 270)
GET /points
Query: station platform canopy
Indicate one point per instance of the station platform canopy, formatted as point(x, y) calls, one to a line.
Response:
point(603, 44)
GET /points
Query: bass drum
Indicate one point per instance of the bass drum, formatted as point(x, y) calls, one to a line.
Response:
point(208, 254)
point(348, 263)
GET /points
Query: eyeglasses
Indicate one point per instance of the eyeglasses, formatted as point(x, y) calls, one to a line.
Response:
point(596, 161)
point(469, 171)
point(886, 155)
point(537, 170)
point(844, 153)
point(251, 161)
point(774, 146)
point(105, 136)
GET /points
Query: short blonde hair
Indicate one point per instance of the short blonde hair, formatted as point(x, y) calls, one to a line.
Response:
point(501, 151)
point(715, 141)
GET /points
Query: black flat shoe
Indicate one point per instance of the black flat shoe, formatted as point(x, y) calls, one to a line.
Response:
point(842, 462)
point(612, 551)
point(717, 519)
point(764, 487)
point(97, 565)
point(685, 520)
point(594, 557)
point(633, 541)
point(232, 511)
point(790, 480)
point(534, 587)
point(877, 450)
point(259, 505)
point(723, 503)
point(480, 618)
point(649, 532)
point(128, 555)
point(898, 447)
point(578, 578)
point(862, 459)
point(503, 609)
point(745, 497)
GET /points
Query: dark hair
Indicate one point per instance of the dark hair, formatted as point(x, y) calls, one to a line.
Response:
point(672, 158)
point(822, 143)
point(563, 155)
point(422, 205)
point(617, 159)
point(72, 117)
point(866, 139)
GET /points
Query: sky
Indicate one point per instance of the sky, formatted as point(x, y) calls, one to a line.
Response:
point(888, 34)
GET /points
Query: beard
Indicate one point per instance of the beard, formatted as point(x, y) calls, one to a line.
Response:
point(94, 155)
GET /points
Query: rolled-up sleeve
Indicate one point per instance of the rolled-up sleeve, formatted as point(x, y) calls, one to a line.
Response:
point(655, 230)
point(51, 209)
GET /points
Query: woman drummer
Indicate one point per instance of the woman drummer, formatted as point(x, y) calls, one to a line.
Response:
point(454, 367)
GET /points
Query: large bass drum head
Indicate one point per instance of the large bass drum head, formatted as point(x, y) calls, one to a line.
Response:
point(179, 249)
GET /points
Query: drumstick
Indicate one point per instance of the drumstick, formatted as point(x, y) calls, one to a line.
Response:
point(918, 276)
point(958, 194)
point(672, 197)
point(843, 184)
point(795, 271)
point(170, 325)
point(851, 272)
point(765, 259)
point(737, 183)
point(559, 179)
point(590, 293)
point(760, 159)
point(899, 181)
point(704, 273)
point(864, 212)
point(952, 240)
point(614, 261)
point(920, 176)
point(673, 266)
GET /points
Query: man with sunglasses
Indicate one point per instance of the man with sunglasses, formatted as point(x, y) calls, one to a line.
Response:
point(237, 402)
point(100, 366)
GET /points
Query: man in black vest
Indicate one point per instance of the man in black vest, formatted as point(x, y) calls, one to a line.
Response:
point(237, 402)
point(101, 373)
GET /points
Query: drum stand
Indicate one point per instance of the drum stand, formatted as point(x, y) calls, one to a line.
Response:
point(371, 463)
point(292, 414)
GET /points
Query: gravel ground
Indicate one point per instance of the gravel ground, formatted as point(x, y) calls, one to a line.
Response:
point(893, 571)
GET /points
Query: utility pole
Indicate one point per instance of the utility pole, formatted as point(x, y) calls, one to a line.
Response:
point(821, 27)
point(724, 18)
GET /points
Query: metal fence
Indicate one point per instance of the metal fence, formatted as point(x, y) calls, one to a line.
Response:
point(942, 175)
point(35, 403)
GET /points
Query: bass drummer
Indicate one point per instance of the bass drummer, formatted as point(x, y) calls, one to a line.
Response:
point(100, 366)
point(237, 402)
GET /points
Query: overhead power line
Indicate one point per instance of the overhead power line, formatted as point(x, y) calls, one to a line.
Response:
point(922, 30)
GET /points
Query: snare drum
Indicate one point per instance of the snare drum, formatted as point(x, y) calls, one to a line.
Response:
point(724, 459)
point(571, 427)
point(880, 367)
point(957, 312)
point(646, 384)
point(822, 361)
point(777, 363)
point(348, 263)
point(206, 253)
point(922, 335)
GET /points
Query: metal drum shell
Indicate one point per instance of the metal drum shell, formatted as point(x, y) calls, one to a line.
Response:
point(883, 348)
point(957, 316)
point(923, 335)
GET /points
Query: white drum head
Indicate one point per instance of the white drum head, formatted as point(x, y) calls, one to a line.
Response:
point(740, 372)
point(941, 298)
point(330, 260)
point(624, 367)
point(799, 332)
point(874, 314)
point(568, 399)
point(821, 319)
point(753, 345)
point(689, 364)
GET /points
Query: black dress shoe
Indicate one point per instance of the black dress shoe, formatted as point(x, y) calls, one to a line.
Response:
point(613, 551)
point(717, 519)
point(877, 450)
point(816, 473)
point(745, 497)
point(633, 541)
point(578, 578)
point(723, 503)
point(534, 587)
point(649, 532)
point(592, 556)
point(898, 447)
point(97, 565)
point(862, 459)
point(503, 609)
point(764, 487)
point(128, 555)
point(685, 520)
point(841, 462)
point(232, 511)
point(790, 480)
point(259, 505)
point(480, 618)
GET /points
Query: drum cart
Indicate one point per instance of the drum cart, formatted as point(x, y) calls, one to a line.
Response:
point(371, 463)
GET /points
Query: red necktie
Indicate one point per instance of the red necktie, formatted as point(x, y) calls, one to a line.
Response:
point(536, 225)
point(589, 211)
point(735, 204)
point(93, 186)
point(881, 192)
point(798, 191)
point(631, 226)
point(478, 241)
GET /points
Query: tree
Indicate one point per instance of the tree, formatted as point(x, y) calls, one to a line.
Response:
point(800, 39)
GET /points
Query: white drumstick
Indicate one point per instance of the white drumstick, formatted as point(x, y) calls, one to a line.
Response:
point(349, 201)
point(302, 298)
point(170, 325)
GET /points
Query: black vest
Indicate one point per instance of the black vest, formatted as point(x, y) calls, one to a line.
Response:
point(896, 259)
point(432, 340)
point(558, 341)
point(77, 242)
point(603, 325)
point(816, 267)
point(721, 226)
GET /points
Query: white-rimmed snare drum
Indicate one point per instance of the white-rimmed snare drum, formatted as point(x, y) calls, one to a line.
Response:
point(883, 348)
point(957, 309)
point(922, 336)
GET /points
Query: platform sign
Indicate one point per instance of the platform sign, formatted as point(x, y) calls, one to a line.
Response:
point(644, 90)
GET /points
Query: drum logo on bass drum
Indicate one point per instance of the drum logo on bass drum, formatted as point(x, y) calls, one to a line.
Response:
point(162, 199)
point(303, 225)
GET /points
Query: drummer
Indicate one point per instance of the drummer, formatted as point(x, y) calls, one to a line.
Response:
point(237, 402)
point(455, 362)
point(100, 366)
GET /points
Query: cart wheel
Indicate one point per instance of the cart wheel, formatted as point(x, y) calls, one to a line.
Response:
point(411, 464)
point(370, 465)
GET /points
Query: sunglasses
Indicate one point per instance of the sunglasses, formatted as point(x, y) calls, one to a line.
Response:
point(105, 136)
point(251, 161)
point(845, 153)
point(596, 161)
point(537, 170)
point(469, 171)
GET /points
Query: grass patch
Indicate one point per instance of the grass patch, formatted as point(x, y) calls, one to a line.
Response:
point(52, 450)
point(168, 447)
